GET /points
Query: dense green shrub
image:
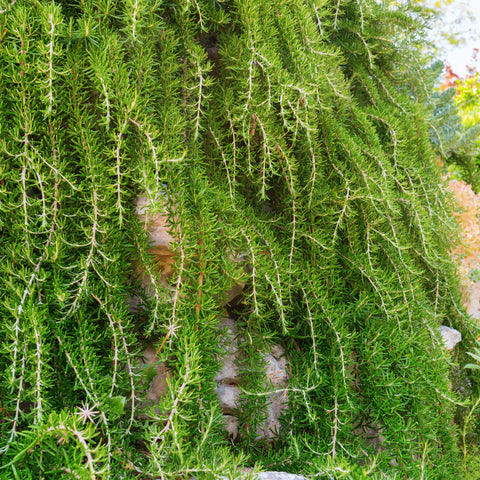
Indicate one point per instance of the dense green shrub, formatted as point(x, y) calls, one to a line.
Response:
point(288, 133)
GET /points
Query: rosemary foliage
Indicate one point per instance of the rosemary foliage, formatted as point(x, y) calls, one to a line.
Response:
point(289, 134)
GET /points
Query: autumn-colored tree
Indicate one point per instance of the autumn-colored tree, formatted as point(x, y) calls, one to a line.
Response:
point(467, 95)
point(455, 122)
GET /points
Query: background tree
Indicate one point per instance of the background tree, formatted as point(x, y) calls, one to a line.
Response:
point(466, 91)
point(454, 131)
point(452, 23)
point(293, 134)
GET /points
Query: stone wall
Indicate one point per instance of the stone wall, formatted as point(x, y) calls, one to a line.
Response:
point(228, 378)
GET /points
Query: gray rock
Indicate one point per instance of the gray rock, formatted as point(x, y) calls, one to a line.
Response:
point(247, 473)
point(229, 373)
point(277, 404)
point(229, 377)
point(450, 336)
point(276, 368)
point(278, 476)
point(231, 425)
point(228, 396)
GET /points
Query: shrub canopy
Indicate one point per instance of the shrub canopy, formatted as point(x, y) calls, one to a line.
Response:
point(288, 134)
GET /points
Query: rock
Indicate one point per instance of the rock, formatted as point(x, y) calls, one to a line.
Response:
point(228, 379)
point(156, 224)
point(161, 248)
point(267, 475)
point(229, 334)
point(473, 301)
point(277, 404)
point(158, 386)
point(277, 476)
point(229, 373)
point(228, 396)
point(276, 372)
point(278, 352)
point(231, 425)
point(450, 336)
point(276, 369)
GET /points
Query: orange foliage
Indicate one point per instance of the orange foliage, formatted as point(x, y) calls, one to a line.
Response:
point(451, 79)
point(467, 253)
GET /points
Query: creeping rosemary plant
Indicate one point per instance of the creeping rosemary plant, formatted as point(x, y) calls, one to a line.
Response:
point(287, 145)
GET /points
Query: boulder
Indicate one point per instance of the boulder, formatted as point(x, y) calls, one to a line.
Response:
point(277, 476)
point(269, 475)
point(473, 300)
point(160, 247)
point(228, 379)
point(158, 386)
point(161, 241)
point(450, 336)
point(156, 224)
